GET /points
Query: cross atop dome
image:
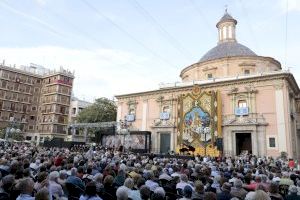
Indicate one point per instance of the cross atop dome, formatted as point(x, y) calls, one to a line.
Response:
point(226, 28)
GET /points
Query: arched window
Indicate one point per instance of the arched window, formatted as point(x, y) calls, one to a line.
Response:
point(131, 111)
point(242, 103)
point(166, 109)
point(230, 32)
point(224, 32)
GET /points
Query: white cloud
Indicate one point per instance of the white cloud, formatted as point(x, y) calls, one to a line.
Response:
point(41, 2)
point(100, 72)
point(293, 5)
point(37, 20)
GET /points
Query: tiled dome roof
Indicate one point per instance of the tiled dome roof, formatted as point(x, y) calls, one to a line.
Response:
point(227, 49)
point(226, 17)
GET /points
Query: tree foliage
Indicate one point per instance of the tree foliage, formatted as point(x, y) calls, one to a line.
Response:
point(17, 136)
point(14, 136)
point(102, 110)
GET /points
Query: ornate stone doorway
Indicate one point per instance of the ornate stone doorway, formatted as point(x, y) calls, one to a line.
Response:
point(243, 143)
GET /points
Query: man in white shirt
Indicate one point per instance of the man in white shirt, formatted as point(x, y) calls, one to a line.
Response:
point(150, 182)
point(55, 189)
point(183, 182)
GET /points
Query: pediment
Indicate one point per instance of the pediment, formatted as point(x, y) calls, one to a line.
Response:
point(243, 121)
point(163, 123)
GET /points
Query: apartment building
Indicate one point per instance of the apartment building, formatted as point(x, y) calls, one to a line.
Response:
point(36, 100)
point(76, 106)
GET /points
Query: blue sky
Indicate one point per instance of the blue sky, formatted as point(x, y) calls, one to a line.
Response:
point(125, 46)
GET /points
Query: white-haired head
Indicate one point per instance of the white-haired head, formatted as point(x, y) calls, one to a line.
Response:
point(73, 171)
point(98, 177)
point(129, 183)
point(123, 167)
point(122, 193)
point(160, 191)
point(53, 176)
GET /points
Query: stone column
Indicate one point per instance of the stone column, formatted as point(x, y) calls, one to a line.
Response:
point(261, 134)
point(280, 119)
point(254, 142)
point(153, 141)
point(225, 142)
point(157, 145)
point(229, 142)
point(172, 136)
point(233, 143)
point(144, 115)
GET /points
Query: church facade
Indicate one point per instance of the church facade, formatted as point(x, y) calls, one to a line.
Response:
point(230, 102)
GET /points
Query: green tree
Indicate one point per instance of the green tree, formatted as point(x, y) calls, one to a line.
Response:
point(17, 136)
point(102, 110)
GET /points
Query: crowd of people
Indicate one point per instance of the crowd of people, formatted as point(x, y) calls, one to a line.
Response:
point(94, 173)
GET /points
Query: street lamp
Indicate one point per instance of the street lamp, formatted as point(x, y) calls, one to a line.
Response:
point(124, 130)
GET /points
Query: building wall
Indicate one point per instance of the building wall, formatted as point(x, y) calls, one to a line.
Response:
point(243, 78)
point(37, 103)
point(19, 98)
point(76, 107)
point(267, 98)
point(229, 67)
point(54, 107)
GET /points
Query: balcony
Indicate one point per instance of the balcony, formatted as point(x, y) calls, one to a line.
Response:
point(62, 82)
point(241, 111)
point(57, 102)
point(130, 118)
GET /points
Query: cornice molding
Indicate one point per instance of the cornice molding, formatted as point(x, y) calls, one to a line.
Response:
point(209, 69)
point(213, 85)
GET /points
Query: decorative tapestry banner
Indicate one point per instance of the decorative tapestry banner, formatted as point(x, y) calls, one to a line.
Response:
point(199, 122)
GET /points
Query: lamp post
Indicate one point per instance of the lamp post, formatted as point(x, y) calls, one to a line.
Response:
point(123, 130)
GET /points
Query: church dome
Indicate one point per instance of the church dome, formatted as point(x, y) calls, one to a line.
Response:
point(228, 58)
point(227, 49)
point(227, 45)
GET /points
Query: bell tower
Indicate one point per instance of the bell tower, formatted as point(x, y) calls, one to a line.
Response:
point(226, 28)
